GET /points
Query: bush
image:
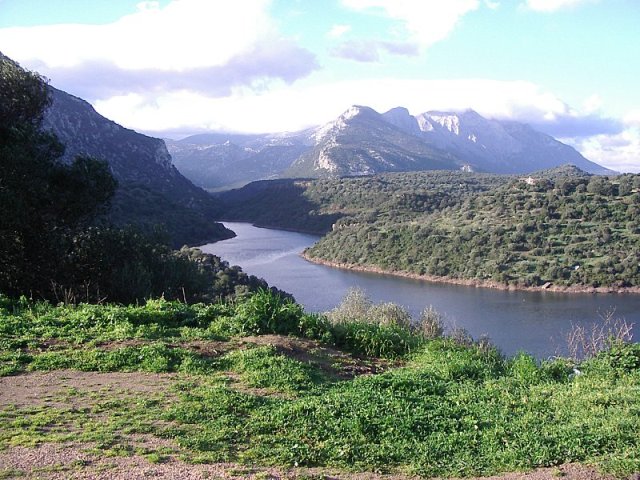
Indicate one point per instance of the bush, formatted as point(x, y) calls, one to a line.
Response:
point(389, 341)
point(430, 324)
point(587, 342)
point(354, 306)
point(268, 312)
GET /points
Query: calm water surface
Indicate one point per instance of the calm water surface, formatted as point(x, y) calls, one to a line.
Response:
point(531, 321)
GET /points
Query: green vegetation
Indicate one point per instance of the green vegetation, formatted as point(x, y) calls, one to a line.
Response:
point(249, 377)
point(563, 226)
point(315, 205)
point(441, 408)
point(54, 241)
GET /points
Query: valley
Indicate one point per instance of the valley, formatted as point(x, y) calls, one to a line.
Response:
point(560, 229)
point(123, 356)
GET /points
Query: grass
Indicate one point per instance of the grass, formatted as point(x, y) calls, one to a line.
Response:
point(445, 410)
point(263, 367)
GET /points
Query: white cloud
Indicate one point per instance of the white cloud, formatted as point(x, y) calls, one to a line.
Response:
point(425, 21)
point(592, 104)
point(301, 105)
point(552, 5)
point(632, 118)
point(620, 152)
point(183, 35)
point(201, 45)
point(338, 31)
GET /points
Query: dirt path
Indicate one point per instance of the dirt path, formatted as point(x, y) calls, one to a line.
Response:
point(76, 460)
point(68, 461)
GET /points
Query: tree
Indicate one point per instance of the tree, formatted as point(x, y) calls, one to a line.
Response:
point(44, 202)
point(54, 245)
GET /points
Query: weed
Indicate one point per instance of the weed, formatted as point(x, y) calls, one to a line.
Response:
point(156, 458)
point(431, 324)
point(263, 367)
point(586, 342)
point(12, 473)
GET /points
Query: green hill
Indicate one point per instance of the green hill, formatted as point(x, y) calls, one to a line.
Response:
point(557, 228)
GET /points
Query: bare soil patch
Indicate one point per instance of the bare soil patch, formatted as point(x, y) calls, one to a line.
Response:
point(334, 362)
point(38, 388)
point(69, 461)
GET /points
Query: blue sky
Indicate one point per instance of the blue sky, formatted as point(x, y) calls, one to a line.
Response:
point(176, 67)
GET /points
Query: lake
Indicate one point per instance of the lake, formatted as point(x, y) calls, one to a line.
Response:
point(535, 322)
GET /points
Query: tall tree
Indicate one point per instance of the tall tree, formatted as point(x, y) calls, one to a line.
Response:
point(43, 201)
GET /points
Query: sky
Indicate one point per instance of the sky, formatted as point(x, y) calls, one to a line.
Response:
point(172, 68)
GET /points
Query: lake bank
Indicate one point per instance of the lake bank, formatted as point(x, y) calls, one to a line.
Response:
point(467, 282)
point(533, 321)
point(279, 387)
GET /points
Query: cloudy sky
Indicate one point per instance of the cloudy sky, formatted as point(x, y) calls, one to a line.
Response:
point(176, 67)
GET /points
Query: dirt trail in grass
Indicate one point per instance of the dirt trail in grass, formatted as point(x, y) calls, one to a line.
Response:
point(76, 460)
point(68, 461)
point(36, 389)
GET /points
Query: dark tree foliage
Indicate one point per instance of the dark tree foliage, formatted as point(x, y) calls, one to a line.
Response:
point(23, 96)
point(130, 265)
point(52, 243)
point(43, 201)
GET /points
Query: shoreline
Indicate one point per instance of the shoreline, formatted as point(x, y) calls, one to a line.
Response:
point(471, 282)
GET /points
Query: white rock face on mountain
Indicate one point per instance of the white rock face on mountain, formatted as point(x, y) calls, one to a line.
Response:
point(336, 126)
point(362, 142)
point(490, 145)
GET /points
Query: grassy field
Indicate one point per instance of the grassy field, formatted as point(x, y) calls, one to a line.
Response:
point(258, 382)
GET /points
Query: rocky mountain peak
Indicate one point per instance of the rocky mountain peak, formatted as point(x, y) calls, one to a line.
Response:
point(401, 118)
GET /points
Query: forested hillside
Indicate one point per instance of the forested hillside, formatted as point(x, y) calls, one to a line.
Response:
point(150, 189)
point(558, 228)
point(315, 205)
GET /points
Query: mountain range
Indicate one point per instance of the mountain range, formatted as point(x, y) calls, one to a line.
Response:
point(362, 141)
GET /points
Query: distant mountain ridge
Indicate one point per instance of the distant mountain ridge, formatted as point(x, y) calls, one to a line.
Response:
point(217, 160)
point(151, 190)
point(362, 141)
point(497, 146)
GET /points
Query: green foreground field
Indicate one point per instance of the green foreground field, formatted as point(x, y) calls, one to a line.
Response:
point(259, 382)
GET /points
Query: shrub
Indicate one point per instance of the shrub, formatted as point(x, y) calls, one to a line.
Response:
point(268, 312)
point(354, 306)
point(390, 341)
point(388, 313)
point(431, 323)
point(264, 367)
point(585, 342)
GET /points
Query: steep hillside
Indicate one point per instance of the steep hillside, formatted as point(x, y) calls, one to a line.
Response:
point(151, 190)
